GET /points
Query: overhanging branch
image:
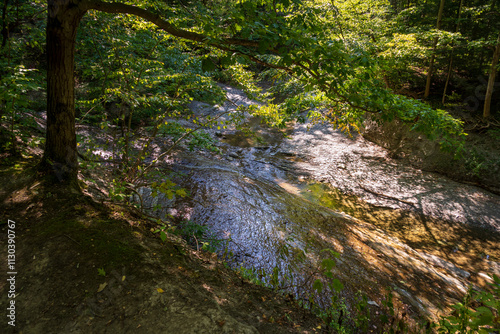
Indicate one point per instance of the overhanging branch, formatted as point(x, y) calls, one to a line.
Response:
point(225, 44)
point(121, 8)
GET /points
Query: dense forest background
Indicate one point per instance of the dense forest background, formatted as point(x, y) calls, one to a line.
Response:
point(340, 61)
point(131, 70)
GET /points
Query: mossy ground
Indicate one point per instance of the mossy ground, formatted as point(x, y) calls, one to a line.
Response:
point(87, 267)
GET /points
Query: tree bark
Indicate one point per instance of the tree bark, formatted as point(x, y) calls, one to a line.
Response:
point(431, 63)
point(491, 80)
point(60, 155)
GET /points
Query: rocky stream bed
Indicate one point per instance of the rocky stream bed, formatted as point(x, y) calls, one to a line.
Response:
point(276, 203)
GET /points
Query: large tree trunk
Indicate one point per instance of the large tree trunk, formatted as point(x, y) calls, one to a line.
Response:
point(60, 156)
point(491, 80)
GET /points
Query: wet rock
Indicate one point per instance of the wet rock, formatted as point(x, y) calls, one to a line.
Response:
point(486, 277)
point(287, 154)
point(246, 206)
point(267, 227)
point(433, 259)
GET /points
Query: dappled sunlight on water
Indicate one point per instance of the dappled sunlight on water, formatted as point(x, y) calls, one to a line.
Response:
point(286, 226)
point(471, 248)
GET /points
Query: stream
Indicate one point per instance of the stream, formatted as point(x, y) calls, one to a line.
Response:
point(278, 203)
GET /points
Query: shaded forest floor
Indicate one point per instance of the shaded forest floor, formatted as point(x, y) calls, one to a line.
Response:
point(87, 267)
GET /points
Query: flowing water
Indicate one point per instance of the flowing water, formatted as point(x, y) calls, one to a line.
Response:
point(279, 203)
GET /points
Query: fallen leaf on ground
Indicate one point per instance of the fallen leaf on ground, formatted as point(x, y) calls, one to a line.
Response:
point(102, 286)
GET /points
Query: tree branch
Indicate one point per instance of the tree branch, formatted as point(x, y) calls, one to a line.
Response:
point(121, 8)
point(224, 44)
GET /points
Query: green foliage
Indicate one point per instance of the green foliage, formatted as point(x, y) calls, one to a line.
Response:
point(16, 83)
point(255, 276)
point(19, 79)
point(478, 313)
point(23, 20)
point(198, 139)
point(494, 134)
point(119, 190)
point(328, 61)
point(337, 312)
point(363, 316)
point(162, 229)
point(146, 72)
point(197, 235)
point(388, 304)
point(101, 272)
point(167, 188)
point(141, 79)
point(436, 124)
point(475, 162)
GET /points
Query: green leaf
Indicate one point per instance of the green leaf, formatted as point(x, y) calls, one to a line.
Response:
point(337, 285)
point(332, 252)
point(207, 65)
point(263, 46)
point(327, 264)
point(285, 3)
point(483, 316)
point(170, 194)
point(226, 61)
point(318, 286)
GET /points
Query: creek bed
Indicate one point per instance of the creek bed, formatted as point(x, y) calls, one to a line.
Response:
point(278, 203)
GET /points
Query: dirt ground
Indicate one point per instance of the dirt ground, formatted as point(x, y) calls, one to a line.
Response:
point(87, 267)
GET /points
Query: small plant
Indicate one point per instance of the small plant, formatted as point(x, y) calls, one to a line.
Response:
point(494, 134)
point(477, 313)
point(253, 275)
point(334, 316)
point(363, 316)
point(475, 163)
point(101, 272)
point(274, 278)
point(197, 235)
point(388, 307)
point(163, 228)
point(392, 321)
point(15, 82)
